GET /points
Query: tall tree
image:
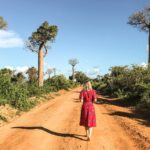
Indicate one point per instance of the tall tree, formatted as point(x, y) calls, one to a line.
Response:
point(3, 24)
point(38, 43)
point(141, 20)
point(73, 62)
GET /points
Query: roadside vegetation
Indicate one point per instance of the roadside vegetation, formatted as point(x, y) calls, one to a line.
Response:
point(18, 89)
point(129, 84)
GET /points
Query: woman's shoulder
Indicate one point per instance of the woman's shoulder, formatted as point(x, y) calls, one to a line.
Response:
point(82, 91)
point(93, 91)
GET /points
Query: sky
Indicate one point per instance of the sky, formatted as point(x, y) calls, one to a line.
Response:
point(93, 31)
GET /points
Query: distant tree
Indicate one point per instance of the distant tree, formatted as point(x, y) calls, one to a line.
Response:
point(73, 62)
point(6, 72)
point(118, 70)
point(20, 77)
point(32, 74)
point(81, 77)
point(3, 24)
point(38, 42)
point(98, 77)
point(70, 78)
point(54, 70)
point(141, 20)
point(49, 72)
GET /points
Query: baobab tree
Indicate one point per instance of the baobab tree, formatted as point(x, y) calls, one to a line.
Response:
point(49, 72)
point(3, 24)
point(73, 62)
point(54, 70)
point(38, 42)
point(141, 20)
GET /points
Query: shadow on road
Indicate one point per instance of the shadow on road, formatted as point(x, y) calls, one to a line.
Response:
point(114, 101)
point(68, 135)
point(142, 118)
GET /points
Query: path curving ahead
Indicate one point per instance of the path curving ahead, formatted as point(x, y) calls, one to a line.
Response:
point(55, 126)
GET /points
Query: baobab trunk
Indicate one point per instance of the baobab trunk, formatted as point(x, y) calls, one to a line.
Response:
point(40, 66)
point(73, 75)
point(149, 47)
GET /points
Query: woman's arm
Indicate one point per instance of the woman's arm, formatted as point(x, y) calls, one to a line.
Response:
point(94, 96)
point(81, 96)
point(81, 100)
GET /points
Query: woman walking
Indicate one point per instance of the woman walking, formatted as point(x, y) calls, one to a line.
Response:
point(88, 117)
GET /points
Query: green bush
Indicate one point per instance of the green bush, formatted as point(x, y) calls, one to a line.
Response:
point(59, 82)
point(3, 101)
point(145, 98)
point(81, 77)
point(17, 94)
point(130, 83)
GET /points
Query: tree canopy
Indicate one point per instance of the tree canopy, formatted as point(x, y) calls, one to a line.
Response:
point(141, 19)
point(73, 61)
point(3, 24)
point(44, 34)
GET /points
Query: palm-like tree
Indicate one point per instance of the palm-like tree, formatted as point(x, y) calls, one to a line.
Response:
point(38, 43)
point(141, 20)
point(73, 62)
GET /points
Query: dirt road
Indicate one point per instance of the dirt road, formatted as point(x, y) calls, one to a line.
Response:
point(55, 126)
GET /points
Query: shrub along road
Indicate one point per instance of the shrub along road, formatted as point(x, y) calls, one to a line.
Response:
point(55, 126)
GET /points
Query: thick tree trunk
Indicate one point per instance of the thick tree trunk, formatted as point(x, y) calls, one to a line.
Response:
point(40, 66)
point(149, 47)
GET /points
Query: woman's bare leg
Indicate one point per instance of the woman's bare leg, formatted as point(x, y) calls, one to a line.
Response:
point(87, 131)
point(90, 132)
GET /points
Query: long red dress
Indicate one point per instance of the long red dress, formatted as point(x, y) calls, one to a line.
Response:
point(88, 117)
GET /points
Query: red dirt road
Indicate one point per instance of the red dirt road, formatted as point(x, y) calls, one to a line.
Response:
point(55, 126)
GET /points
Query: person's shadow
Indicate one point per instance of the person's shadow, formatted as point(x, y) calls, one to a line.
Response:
point(77, 136)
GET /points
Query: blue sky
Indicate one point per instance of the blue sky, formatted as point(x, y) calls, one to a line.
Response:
point(93, 31)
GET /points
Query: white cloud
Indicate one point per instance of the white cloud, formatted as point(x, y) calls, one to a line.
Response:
point(9, 67)
point(10, 39)
point(93, 71)
point(144, 65)
point(17, 69)
point(22, 69)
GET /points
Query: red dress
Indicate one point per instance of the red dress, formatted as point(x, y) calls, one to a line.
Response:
point(88, 117)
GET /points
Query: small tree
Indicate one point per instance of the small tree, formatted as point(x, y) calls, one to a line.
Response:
point(141, 20)
point(32, 74)
point(73, 62)
point(20, 77)
point(3, 24)
point(6, 72)
point(81, 77)
point(38, 42)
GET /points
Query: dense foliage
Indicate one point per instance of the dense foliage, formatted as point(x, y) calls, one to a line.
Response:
point(128, 83)
point(81, 77)
point(16, 89)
